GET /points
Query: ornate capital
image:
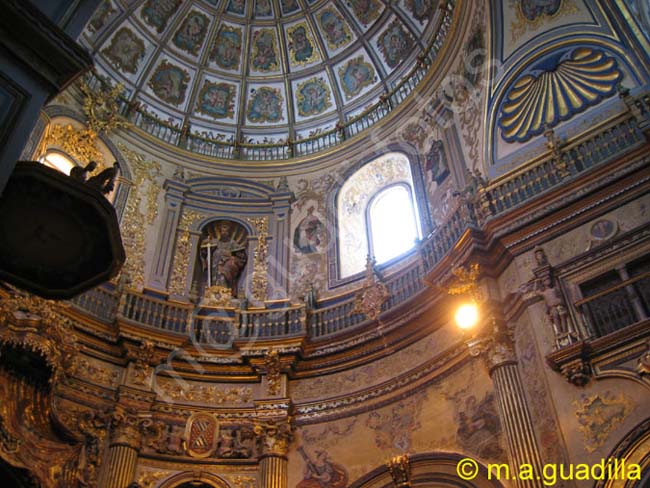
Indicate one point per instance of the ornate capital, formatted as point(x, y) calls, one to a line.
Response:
point(399, 468)
point(275, 436)
point(128, 427)
point(496, 345)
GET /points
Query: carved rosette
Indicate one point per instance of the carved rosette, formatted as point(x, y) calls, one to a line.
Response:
point(259, 281)
point(177, 283)
point(275, 436)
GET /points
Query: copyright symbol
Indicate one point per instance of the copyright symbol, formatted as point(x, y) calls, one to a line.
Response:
point(467, 469)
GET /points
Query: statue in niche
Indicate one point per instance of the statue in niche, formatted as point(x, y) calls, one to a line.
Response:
point(223, 258)
point(556, 311)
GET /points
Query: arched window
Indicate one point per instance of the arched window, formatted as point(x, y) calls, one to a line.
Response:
point(377, 214)
point(392, 223)
point(58, 161)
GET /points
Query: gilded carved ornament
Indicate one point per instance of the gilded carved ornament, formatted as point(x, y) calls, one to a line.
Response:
point(275, 435)
point(399, 468)
point(177, 283)
point(37, 324)
point(130, 428)
point(259, 281)
point(373, 295)
point(101, 108)
point(142, 358)
point(134, 222)
point(81, 144)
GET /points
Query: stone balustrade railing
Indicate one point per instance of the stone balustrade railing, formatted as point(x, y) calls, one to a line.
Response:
point(599, 146)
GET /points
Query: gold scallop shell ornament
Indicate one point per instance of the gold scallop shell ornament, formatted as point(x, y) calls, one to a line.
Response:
point(544, 99)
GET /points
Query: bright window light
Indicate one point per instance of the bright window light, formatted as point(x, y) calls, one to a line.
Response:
point(392, 223)
point(58, 162)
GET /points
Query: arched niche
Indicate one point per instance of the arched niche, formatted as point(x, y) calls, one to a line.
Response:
point(222, 257)
point(194, 480)
point(430, 470)
point(634, 448)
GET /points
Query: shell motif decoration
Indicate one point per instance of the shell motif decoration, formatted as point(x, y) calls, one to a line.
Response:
point(540, 101)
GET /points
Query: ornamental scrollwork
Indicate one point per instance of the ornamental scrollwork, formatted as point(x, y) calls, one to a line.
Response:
point(259, 282)
point(373, 295)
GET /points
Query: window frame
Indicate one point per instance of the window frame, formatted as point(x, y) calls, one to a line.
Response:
point(368, 221)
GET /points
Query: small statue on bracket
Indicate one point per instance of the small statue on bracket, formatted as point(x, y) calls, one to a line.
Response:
point(105, 181)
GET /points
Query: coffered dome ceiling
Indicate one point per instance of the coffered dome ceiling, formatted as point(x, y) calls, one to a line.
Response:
point(260, 71)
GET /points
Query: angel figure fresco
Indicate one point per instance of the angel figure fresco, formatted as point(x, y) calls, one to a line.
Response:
point(322, 472)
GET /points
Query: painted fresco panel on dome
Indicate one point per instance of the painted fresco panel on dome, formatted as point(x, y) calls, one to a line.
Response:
point(289, 6)
point(533, 9)
point(101, 16)
point(366, 11)
point(227, 47)
point(265, 105)
point(355, 75)
point(265, 51)
point(237, 7)
point(420, 9)
point(640, 10)
point(217, 100)
point(263, 8)
point(189, 37)
point(334, 28)
point(125, 50)
point(157, 13)
point(309, 235)
point(301, 45)
point(395, 43)
point(169, 83)
point(524, 19)
point(313, 97)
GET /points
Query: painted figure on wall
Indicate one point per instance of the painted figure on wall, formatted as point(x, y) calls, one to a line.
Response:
point(223, 255)
point(435, 162)
point(300, 45)
point(308, 235)
point(263, 8)
point(189, 37)
point(125, 50)
point(334, 28)
point(479, 426)
point(265, 105)
point(169, 83)
point(227, 48)
point(532, 9)
point(355, 76)
point(216, 100)
point(157, 13)
point(366, 10)
point(395, 44)
point(265, 56)
point(101, 15)
point(313, 97)
point(321, 472)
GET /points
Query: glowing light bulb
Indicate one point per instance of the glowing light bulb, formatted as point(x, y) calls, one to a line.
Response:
point(467, 315)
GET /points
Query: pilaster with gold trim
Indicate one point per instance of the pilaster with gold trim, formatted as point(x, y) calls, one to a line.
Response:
point(275, 437)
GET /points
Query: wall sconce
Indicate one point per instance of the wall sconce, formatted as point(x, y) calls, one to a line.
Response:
point(468, 313)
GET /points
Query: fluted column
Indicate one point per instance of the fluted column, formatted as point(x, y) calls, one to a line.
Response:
point(498, 350)
point(273, 467)
point(125, 440)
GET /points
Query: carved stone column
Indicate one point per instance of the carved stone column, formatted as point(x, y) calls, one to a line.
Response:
point(498, 350)
point(127, 429)
point(275, 437)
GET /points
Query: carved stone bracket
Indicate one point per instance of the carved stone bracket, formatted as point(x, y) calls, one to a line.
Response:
point(141, 363)
point(573, 363)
